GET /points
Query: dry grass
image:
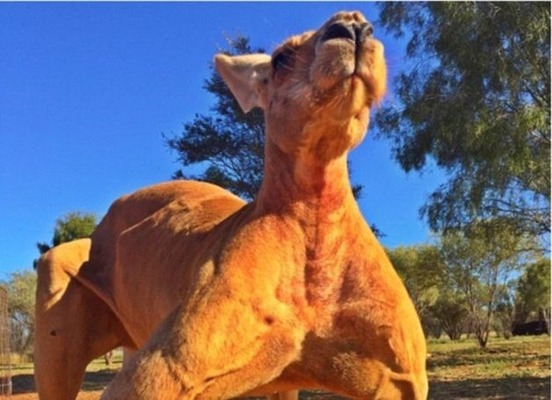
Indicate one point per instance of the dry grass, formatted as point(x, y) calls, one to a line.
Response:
point(516, 369)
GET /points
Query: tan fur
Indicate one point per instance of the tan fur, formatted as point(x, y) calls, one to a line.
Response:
point(76, 319)
point(290, 291)
point(72, 325)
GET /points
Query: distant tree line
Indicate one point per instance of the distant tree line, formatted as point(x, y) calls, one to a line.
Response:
point(469, 284)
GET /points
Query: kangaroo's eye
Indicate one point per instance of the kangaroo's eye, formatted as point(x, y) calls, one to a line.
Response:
point(282, 59)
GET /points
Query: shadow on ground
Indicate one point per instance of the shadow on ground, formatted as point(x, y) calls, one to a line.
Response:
point(92, 381)
point(505, 389)
point(528, 388)
point(23, 384)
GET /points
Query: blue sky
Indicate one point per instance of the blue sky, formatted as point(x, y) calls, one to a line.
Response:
point(88, 89)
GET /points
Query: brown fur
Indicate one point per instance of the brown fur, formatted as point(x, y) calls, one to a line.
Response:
point(72, 325)
point(290, 291)
point(76, 319)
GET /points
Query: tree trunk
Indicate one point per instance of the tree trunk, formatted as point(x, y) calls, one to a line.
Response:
point(545, 316)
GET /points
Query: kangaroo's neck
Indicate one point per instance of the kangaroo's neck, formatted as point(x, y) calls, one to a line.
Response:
point(318, 199)
point(313, 191)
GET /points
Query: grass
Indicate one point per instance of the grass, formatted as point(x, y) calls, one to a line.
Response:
point(517, 357)
point(25, 367)
point(515, 369)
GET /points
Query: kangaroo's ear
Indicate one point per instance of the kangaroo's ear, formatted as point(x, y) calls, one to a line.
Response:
point(247, 77)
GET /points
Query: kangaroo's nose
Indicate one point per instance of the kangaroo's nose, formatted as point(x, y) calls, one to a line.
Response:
point(357, 32)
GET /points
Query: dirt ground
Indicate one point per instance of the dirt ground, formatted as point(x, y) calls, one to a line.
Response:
point(95, 382)
point(523, 389)
point(528, 388)
point(452, 377)
point(82, 396)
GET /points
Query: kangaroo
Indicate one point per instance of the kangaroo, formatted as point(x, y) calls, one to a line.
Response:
point(290, 291)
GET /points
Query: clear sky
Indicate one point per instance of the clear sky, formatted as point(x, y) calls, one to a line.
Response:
point(88, 89)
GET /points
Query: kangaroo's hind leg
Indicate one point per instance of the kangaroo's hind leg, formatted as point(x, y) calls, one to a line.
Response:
point(73, 325)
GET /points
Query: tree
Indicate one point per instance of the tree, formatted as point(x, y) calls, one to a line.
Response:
point(74, 225)
point(421, 270)
point(475, 98)
point(230, 142)
point(21, 292)
point(505, 309)
point(533, 292)
point(479, 262)
point(451, 312)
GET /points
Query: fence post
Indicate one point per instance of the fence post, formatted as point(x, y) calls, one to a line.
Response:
point(5, 354)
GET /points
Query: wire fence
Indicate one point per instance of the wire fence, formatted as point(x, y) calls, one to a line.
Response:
point(5, 355)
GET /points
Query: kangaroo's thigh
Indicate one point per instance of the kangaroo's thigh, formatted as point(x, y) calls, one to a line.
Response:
point(73, 326)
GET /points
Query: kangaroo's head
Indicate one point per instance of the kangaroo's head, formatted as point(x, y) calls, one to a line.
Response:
point(316, 89)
